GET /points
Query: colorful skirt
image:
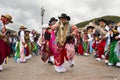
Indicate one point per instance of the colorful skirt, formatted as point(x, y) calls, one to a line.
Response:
point(113, 58)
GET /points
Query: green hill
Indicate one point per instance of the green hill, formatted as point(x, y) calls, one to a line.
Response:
point(116, 19)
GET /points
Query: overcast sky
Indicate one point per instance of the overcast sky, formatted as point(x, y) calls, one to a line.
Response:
point(27, 12)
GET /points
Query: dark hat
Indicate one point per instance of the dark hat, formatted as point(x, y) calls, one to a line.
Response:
point(103, 20)
point(109, 22)
point(63, 15)
point(52, 19)
point(8, 32)
point(90, 27)
point(27, 31)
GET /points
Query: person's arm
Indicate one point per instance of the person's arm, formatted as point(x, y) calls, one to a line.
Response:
point(55, 26)
point(75, 30)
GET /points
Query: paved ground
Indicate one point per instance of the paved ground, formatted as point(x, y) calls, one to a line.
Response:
point(86, 68)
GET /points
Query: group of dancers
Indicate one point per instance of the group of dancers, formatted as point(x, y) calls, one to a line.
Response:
point(61, 40)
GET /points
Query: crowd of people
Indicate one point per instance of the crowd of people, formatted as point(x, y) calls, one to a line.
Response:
point(21, 46)
point(60, 41)
point(102, 41)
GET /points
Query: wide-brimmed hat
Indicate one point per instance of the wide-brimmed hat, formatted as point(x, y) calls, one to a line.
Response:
point(8, 32)
point(109, 22)
point(52, 19)
point(90, 27)
point(63, 15)
point(22, 27)
point(8, 17)
point(27, 31)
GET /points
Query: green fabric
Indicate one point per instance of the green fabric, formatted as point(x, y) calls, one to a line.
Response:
point(113, 57)
point(35, 47)
point(29, 45)
point(17, 54)
point(85, 46)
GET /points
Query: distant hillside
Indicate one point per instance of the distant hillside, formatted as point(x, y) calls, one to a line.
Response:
point(12, 31)
point(116, 19)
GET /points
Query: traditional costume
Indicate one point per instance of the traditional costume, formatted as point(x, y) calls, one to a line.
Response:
point(22, 43)
point(28, 47)
point(50, 43)
point(64, 30)
point(100, 40)
point(114, 47)
point(32, 35)
point(4, 48)
point(88, 38)
point(79, 44)
point(108, 28)
point(17, 52)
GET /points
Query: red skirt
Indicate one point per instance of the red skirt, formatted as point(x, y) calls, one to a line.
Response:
point(80, 49)
point(60, 55)
point(4, 50)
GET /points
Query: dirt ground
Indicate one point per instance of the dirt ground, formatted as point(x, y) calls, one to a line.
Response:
point(86, 68)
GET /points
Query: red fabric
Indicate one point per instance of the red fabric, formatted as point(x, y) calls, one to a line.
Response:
point(80, 49)
point(48, 44)
point(4, 50)
point(27, 51)
point(46, 52)
point(85, 36)
point(94, 45)
point(100, 48)
point(60, 55)
point(107, 57)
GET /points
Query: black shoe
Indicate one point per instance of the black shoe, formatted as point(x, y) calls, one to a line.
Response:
point(49, 62)
point(72, 65)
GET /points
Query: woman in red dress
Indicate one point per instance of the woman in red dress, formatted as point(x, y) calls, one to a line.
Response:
point(4, 48)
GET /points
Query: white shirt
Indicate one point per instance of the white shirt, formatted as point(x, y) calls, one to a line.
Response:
point(107, 28)
point(31, 37)
point(90, 37)
point(108, 36)
point(22, 35)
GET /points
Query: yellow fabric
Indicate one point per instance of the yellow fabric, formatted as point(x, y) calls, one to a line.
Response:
point(62, 33)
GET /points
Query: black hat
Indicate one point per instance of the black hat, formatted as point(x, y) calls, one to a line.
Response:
point(103, 20)
point(90, 27)
point(110, 22)
point(52, 19)
point(8, 32)
point(63, 15)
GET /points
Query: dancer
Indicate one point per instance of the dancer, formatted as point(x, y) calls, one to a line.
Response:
point(4, 48)
point(64, 30)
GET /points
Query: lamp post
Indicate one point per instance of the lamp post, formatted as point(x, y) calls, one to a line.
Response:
point(42, 14)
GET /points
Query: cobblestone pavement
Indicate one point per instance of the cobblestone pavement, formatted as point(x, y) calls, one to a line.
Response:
point(86, 68)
